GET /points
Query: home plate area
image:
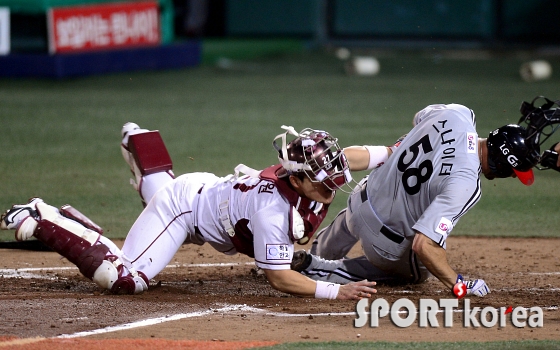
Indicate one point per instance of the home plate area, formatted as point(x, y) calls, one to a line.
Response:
point(206, 296)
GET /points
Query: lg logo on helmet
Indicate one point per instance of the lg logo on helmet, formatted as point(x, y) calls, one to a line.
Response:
point(510, 158)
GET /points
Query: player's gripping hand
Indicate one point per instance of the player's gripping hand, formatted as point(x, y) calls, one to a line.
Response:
point(356, 290)
point(476, 287)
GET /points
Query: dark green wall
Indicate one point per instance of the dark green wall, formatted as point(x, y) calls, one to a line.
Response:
point(451, 18)
point(265, 17)
point(485, 20)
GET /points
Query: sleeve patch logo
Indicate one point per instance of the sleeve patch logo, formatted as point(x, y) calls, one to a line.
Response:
point(278, 252)
point(472, 142)
point(444, 227)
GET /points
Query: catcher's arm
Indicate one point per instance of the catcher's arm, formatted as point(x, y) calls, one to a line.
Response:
point(292, 282)
point(369, 157)
point(366, 157)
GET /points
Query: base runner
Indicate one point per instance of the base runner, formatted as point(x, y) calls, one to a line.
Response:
point(403, 212)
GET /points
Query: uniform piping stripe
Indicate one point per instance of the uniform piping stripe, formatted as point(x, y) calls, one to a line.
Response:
point(161, 233)
point(326, 273)
point(339, 272)
point(441, 241)
point(470, 203)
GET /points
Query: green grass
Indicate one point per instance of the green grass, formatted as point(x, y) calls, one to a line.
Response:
point(60, 139)
point(501, 345)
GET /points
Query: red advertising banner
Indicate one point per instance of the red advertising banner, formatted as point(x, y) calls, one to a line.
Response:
point(103, 26)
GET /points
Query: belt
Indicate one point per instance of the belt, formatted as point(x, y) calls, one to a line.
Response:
point(385, 231)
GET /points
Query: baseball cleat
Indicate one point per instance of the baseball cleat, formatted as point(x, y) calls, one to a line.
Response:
point(14, 216)
point(125, 132)
point(301, 261)
point(26, 229)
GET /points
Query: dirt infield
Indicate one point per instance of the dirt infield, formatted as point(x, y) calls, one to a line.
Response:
point(222, 301)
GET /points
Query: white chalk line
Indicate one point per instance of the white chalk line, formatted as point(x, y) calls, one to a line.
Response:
point(14, 272)
point(153, 321)
point(225, 309)
point(28, 273)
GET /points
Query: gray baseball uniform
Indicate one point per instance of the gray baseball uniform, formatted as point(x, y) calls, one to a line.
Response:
point(426, 185)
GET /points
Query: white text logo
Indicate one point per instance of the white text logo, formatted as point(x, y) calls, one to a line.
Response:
point(404, 313)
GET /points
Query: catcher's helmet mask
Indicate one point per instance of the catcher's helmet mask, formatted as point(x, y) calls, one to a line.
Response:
point(541, 118)
point(316, 154)
point(509, 153)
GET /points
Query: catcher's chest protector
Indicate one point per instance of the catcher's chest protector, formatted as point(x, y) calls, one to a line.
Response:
point(313, 213)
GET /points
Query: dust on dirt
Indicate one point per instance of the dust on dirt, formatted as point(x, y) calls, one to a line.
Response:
point(234, 302)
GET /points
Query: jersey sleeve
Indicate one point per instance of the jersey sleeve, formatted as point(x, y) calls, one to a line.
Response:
point(460, 194)
point(273, 247)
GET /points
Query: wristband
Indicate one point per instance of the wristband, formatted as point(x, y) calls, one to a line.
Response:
point(326, 290)
point(377, 156)
point(459, 289)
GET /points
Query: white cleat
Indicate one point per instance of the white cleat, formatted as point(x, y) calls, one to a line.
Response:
point(26, 229)
point(14, 216)
point(129, 129)
point(125, 132)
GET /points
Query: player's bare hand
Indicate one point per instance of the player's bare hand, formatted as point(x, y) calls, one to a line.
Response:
point(356, 290)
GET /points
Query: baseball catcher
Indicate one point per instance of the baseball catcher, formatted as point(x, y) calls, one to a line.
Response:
point(258, 213)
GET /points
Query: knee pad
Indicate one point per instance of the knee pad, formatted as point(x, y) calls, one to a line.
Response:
point(112, 276)
point(105, 275)
point(134, 283)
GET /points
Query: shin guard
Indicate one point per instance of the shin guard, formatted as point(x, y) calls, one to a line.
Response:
point(149, 152)
point(78, 250)
point(146, 154)
point(68, 238)
point(81, 246)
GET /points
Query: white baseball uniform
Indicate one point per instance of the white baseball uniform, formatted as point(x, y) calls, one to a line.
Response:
point(426, 185)
point(245, 214)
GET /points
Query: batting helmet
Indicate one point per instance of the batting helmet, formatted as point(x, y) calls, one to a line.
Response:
point(509, 152)
point(315, 153)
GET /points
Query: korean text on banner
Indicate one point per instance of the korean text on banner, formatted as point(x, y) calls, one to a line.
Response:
point(103, 26)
